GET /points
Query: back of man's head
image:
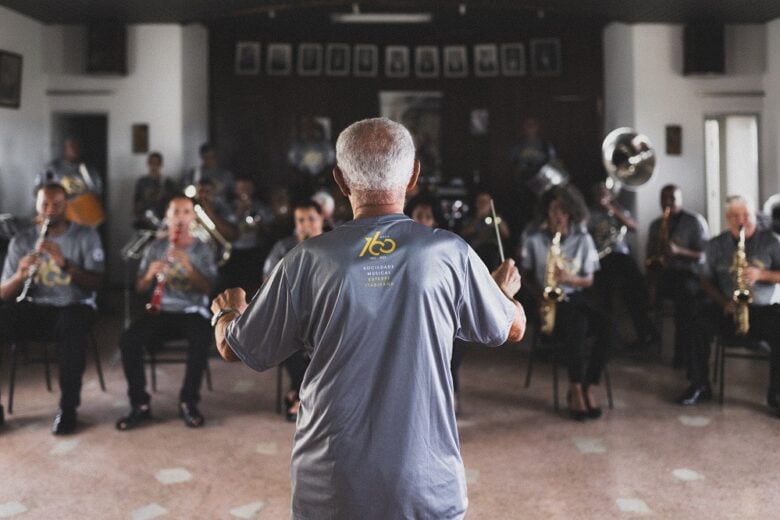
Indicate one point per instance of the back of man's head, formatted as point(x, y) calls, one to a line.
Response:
point(375, 155)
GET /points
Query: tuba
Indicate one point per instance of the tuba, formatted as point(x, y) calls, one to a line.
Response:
point(552, 293)
point(742, 296)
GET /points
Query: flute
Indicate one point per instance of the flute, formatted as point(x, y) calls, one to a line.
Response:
point(33, 270)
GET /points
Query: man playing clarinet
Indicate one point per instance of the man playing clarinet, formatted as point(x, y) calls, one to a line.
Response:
point(180, 271)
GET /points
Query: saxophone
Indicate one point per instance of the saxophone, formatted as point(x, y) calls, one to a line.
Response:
point(742, 296)
point(552, 293)
point(658, 259)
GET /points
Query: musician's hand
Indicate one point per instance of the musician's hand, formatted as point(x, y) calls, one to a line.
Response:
point(730, 308)
point(674, 249)
point(26, 262)
point(181, 256)
point(156, 267)
point(507, 277)
point(751, 275)
point(230, 299)
point(54, 251)
point(565, 277)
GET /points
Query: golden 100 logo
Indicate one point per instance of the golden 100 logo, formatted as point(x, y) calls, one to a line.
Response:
point(375, 247)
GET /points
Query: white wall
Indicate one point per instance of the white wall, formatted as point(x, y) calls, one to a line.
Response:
point(22, 142)
point(661, 95)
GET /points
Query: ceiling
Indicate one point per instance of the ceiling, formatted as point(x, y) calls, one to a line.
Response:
point(209, 11)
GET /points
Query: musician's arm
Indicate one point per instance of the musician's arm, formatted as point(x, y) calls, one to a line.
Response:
point(622, 216)
point(222, 345)
point(678, 250)
point(15, 271)
point(88, 280)
point(768, 276)
point(11, 287)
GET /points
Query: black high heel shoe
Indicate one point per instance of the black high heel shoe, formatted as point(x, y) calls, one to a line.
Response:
point(577, 415)
point(592, 412)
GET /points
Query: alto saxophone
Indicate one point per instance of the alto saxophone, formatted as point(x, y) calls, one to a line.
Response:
point(658, 259)
point(742, 295)
point(552, 293)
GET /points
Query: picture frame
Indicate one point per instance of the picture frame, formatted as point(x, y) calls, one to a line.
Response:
point(456, 61)
point(397, 61)
point(140, 138)
point(673, 139)
point(247, 61)
point(426, 61)
point(309, 59)
point(486, 60)
point(10, 79)
point(365, 60)
point(337, 59)
point(513, 59)
point(279, 59)
point(546, 57)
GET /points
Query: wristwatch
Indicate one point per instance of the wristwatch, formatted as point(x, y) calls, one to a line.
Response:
point(220, 313)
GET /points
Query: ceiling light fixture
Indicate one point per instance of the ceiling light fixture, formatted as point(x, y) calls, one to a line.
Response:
point(381, 18)
point(462, 9)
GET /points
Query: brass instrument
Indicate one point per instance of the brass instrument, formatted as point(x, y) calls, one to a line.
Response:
point(742, 295)
point(207, 231)
point(658, 259)
point(552, 293)
point(628, 157)
point(28, 282)
point(607, 236)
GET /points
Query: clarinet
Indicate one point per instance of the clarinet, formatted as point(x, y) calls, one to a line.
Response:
point(33, 270)
point(155, 304)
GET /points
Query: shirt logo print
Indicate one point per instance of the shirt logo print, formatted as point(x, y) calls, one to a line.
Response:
point(374, 246)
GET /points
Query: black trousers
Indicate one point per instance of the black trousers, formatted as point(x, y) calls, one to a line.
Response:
point(68, 326)
point(576, 318)
point(296, 369)
point(764, 325)
point(149, 331)
point(619, 273)
point(683, 288)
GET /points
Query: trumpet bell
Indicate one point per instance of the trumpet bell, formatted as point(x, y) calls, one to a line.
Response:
point(629, 157)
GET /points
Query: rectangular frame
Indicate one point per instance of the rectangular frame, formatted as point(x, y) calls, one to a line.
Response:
point(456, 61)
point(337, 59)
point(365, 63)
point(309, 59)
point(247, 60)
point(486, 60)
point(397, 61)
point(278, 59)
point(513, 59)
point(10, 79)
point(426, 61)
point(140, 138)
point(546, 57)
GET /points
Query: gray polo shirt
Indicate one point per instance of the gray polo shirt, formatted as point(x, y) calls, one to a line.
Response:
point(762, 250)
point(577, 248)
point(179, 294)
point(377, 302)
point(686, 229)
point(79, 244)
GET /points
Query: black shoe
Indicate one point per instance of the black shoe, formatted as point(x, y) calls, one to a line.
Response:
point(137, 415)
point(191, 415)
point(2, 415)
point(695, 395)
point(64, 422)
point(577, 415)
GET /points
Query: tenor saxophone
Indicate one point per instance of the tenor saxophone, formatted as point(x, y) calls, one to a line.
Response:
point(742, 295)
point(552, 293)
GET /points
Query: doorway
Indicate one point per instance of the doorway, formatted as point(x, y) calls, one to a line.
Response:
point(731, 162)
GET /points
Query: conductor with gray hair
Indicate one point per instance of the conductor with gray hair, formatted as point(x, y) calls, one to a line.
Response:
point(376, 303)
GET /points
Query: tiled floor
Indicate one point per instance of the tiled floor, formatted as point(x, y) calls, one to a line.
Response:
point(646, 457)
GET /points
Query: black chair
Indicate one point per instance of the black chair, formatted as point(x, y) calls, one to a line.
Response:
point(735, 348)
point(46, 344)
point(170, 351)
point(554, 348)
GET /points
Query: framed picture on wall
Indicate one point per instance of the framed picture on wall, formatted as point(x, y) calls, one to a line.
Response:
point(456, 61)
point(140, 138)
point(486, 60)
point(365, 62)
point(426, 61)
point(279, 59)
point(513, 59)
point(337, 59)
point(309, 59)
point(546, 57)
point(396, 61)
point(247, 58)
point(10, 79)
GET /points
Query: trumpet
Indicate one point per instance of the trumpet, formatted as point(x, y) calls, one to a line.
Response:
point(28, 282)
point(552, 293)
point(742, 295)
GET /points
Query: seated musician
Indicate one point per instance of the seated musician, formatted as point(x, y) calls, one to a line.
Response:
point(307, 215)
point(64, 268)
point(563, 211)
point(181, 271)
point(152, 193)
point(760, 275)
point(78, 179)
point(210, 169)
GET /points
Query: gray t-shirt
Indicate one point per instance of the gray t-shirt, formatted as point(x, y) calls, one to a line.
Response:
point(79, 244)
point(577, 248)
point(179, 294)
point(76, 178)
point(377, 302)
point(686, 229)
point(762, 250)
point(278, 251)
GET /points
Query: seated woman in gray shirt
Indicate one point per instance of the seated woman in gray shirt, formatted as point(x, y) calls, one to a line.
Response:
point(564, 211)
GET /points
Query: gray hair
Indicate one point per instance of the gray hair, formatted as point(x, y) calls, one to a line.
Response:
point(375, 155)
point(740, 199)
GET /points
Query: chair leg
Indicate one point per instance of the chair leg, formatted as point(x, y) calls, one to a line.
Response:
point(12, 380)
point(153, 371)
point(716, 364)
point(608, 383)
point(531, 353)
point(279, 375)
point(555, 376)
point(46, 366)
point(722, 370)
point(208, 377)
point(98, 366)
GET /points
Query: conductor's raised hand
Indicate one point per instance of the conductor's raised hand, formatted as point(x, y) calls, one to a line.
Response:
point(230, 299)
point(507, 277)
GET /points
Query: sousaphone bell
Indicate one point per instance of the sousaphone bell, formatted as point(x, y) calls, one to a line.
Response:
point(629, 158)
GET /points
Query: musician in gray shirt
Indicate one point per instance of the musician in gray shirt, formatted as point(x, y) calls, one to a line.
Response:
point(377, 302)
point(63, 269)
point(762, 276)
